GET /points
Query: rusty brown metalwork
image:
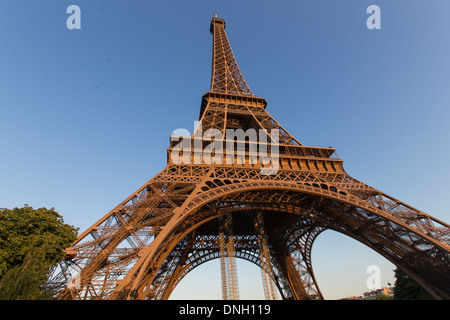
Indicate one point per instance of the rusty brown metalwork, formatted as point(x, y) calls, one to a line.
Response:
point(145, 246)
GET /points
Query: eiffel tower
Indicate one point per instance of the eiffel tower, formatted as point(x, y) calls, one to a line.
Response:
point(267, 209)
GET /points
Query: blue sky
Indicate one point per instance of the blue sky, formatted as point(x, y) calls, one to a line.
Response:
point(86, 114)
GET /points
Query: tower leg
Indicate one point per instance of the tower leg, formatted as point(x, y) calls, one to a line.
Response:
point(229, 277)
point(267, 274)
point(223, 270)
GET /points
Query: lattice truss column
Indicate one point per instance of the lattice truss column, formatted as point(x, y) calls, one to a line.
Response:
point(267, 273)
point(223, 266)
point(228, 268)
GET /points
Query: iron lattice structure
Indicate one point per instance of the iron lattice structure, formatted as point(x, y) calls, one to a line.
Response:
point(193, 212)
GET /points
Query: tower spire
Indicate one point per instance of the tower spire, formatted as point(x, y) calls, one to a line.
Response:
point(226, 77)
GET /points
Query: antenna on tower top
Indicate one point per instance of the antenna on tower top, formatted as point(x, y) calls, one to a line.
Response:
point(215, 14)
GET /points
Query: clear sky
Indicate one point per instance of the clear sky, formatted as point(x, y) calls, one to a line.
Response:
point(86, 114)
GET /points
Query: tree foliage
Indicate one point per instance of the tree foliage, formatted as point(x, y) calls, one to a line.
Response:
point(407, 289)
point(31, 242)
point(384, 297)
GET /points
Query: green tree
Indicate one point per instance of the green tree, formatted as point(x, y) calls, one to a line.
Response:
point(406, 288)
point(384, 297)
point(31, 242)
